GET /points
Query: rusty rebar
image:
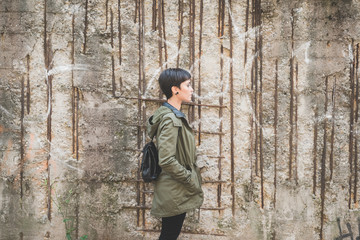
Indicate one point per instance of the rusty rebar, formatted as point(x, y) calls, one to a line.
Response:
point(232, 147)
point(351, 126)
point(28, 92)
point(275, 127)
point(154, 15)
point(315, 150)
point(120, 41)
point(106, 13)
point(181, 18)
point(332, 130)
point(356, 113)
point(221, 17)
point(323, 164)
point(112, 55)
point(164, 32)
point(85, 26)
point(48, 55)
point(291, 135)
point(296, 122)
point(160, 39)
point(246, 30)
point(22, 142)
point(199, 68)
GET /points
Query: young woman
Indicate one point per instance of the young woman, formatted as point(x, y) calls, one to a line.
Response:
point(178, 188)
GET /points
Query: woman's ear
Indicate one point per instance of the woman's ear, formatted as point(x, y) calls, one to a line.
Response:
point(174, 90)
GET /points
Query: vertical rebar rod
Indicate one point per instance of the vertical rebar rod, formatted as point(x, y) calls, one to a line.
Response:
point(85, 26)
point(323, 164)
point(120, 41)
point(222, 24)
point(356, 113)
point(112, 53)
point(22, 142)
point(164, 32)
point(351, 126)
point(232, 148)
point(275, 128)
point(28, 91)
point(181, 19)
point(315, 150)
point(291, 121)
point(296, 122)
point(138, 187)
point(199, 68)
point(48, 64)
point(332, 129)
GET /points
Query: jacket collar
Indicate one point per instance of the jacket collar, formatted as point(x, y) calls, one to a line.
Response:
point(177, 113)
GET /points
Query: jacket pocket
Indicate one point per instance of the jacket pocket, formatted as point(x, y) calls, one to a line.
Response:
point(194, 186)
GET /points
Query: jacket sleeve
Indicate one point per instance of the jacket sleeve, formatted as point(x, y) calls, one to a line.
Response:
point(166, 142)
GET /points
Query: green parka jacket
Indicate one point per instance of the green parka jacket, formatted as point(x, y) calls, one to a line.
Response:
point(178, 188)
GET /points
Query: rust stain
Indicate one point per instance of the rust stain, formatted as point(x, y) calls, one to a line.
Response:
point(160, 39)
point(48, 56)
point(199, 68)
point(232, 148)
point(332, 130)
point(219, 187)
point(181, 19)
point(74, 100)
point(112, 55)
point(315, 150)
point(192, 53)
point(252, 122)
point(28, 84)
point(261, 104)
point(356, 113)
point(256, 134)
point(351, 130)
point(246, 30)
point(120, 41)
point(85, 26)
point(164, 32)
point(275, 127)
point(141, 84)
point(254, 81)
point(75, 121)
point(323, 164)
point(106, 13)
point(296, 122)
point(291, 135)
point(154, 15)
point(136, 9)
point(22, 100)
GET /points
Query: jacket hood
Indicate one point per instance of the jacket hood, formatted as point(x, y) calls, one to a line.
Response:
point(154, 121)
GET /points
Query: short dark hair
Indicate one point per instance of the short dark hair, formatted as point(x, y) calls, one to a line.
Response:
point(172, 77)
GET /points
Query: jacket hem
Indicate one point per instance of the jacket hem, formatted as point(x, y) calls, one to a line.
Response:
point(174, 213)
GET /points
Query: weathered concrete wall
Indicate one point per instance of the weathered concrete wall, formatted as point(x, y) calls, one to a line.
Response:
point(275, 114)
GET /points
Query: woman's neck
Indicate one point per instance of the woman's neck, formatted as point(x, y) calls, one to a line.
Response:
point(175, 103)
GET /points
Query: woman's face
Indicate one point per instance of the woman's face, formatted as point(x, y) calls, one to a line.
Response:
point(185, 91)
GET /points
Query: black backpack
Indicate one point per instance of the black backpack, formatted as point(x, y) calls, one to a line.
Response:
point(150, 169)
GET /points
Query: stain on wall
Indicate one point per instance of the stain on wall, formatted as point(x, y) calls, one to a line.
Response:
point(275, 115)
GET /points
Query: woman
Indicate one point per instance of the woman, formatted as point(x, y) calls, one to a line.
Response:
point(178, 188)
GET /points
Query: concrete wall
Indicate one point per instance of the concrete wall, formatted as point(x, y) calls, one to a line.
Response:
point(275, 113)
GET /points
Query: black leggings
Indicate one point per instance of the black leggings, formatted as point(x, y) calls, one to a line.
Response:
point(171, 227)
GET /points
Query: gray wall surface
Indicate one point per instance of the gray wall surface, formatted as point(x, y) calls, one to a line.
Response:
point(275, 114)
